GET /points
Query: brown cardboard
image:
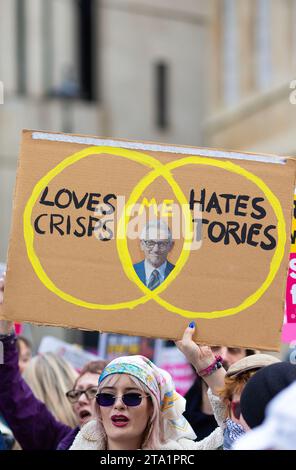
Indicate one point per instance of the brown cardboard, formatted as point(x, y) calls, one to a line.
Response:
point(216, 277)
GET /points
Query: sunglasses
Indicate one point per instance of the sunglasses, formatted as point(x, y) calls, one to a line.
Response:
point(74, 395)
point(236, 409)
point(129, 399)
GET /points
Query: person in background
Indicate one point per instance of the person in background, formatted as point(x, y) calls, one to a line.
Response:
point(49, 377)
point(236, 378)
point(24, 348)
point(33, 425)
point(261, 389)
point(199, 411)
point(278, 430)
point(82, 394)
point(231, 355)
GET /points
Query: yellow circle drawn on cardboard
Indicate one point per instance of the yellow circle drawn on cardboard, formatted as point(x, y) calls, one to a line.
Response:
point(138, 157)
point(274, 264)
point(122, 246)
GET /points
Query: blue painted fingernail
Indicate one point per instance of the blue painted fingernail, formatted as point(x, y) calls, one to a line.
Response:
point(192, 324)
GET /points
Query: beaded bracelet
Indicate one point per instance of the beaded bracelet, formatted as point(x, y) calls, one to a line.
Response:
point(217, 364)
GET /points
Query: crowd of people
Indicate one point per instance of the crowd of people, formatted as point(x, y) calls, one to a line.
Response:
point(130, 403)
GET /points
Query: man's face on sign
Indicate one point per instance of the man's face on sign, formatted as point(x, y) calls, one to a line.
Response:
point(156, 246)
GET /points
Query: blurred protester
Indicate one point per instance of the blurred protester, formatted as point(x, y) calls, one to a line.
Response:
point(261, 389)
point(236, 378)
point(49, 377)
point(278, 430)
point(82, 395)
point(32, 424)
point(24, 348)
point(231, 355)
point(199, 411)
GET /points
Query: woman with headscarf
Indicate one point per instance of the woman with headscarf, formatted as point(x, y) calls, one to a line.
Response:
point(139, 408)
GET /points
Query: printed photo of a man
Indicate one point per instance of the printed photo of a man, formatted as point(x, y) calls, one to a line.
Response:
point(156, 243)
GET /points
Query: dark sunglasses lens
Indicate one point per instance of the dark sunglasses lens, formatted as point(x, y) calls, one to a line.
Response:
point(132, 399)
point(105, 399)
point(129, 399)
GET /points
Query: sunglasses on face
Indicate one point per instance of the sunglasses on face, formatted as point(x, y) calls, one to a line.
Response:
point(74, 395)
point(236, 409)
point(129, 399)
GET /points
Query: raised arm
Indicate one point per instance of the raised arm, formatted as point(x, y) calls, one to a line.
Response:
point(6, 327)
point(202, 358)
point(33, 426)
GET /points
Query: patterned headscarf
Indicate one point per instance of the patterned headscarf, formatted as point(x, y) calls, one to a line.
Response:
point(161, 385)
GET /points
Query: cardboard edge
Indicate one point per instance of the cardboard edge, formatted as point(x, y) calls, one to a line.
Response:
point(12, 224)
point(164, 144)
point(121, 332)
point(284, 285)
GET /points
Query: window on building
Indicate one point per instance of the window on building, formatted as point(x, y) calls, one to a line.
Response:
point(21, 46)
point(230, 43)
point(292, 31)
point(1, 92)
point(86, 50)
point(161, 95)
point(47, 46)
point(263, 66)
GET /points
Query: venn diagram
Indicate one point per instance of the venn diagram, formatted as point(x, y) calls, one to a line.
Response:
point(155, 169)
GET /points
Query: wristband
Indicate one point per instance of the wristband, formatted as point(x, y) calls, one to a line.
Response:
point(217, 364)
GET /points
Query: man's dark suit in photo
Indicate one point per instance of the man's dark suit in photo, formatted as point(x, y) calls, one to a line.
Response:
point(140, 270)
point(156, 243)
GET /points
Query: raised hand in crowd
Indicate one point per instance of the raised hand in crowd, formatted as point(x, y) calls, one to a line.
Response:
point(203, 360)
point(6, 327)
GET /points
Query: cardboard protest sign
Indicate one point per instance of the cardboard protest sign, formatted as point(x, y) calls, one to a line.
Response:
point(289, 328)
point(83, 255)
point(112, 346)
point(72, 353)
point(291, 281)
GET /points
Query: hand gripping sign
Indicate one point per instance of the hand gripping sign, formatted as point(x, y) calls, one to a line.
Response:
point(140, 239)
